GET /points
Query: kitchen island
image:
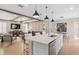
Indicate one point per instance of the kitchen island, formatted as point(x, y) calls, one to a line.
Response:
point(45, 44)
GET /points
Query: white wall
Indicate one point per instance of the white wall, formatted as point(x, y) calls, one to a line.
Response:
point(5, 26)
point(70, 27)
point(36, 26)
point(24, 27)
point(76, 29)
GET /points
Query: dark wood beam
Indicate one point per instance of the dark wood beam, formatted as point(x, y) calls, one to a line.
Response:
point(18, 14)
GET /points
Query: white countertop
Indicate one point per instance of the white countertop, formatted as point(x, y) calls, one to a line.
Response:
point(41, 38)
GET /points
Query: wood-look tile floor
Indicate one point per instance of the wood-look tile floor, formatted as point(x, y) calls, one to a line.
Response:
point(70, 47)
point(17, 48)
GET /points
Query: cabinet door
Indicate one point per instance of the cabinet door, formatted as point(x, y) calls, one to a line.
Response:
point(52, 48)
point(58, 45)
point(59, 42)
point(39, 49)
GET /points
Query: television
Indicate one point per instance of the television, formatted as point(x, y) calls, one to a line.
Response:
point(15, 26)
point(61, 27)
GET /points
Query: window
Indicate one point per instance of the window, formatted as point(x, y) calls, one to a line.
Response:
point(3, 27)
point(24, 27)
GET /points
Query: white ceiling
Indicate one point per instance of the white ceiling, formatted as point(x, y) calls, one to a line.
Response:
point(7, 16)
point(55, 11)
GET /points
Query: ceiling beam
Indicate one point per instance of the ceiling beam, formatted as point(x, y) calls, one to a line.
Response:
point(30, 22)
point(18, 14)
point(16, 17)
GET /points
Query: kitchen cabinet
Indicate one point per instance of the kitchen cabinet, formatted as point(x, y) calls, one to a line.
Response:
point(45, 45)
point(52, 48)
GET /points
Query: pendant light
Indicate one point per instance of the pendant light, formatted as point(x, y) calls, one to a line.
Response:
point(36, 14)
point(46, 17)
point(52, 20)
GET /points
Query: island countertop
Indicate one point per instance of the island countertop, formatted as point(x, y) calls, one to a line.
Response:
point(45, 39)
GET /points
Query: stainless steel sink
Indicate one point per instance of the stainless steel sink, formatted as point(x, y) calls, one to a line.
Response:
point(52, 35)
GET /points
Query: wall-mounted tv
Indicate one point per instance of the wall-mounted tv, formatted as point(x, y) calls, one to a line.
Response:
point(15, 26)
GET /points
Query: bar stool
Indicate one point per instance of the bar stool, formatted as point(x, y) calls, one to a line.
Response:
point(26, 48)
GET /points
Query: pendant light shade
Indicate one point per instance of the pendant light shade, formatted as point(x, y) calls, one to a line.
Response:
point(36, 14)
point(46, 17)
point(52, 20)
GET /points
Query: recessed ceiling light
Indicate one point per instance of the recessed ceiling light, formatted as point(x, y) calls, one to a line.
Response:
point(71, 8)
point(25, 4)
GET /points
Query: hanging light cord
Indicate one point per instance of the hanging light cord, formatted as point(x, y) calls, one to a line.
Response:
point(46, 9)
point(35, 7)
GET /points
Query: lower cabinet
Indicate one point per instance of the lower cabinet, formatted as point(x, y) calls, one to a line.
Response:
point(52, 48)
point(39, 48)
point(56, 45)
